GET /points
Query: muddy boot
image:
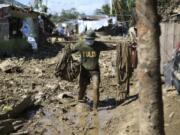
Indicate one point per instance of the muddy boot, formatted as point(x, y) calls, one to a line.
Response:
point(81, 93)
point(83, 85)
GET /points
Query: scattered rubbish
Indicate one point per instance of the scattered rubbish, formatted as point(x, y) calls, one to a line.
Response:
point(65, 95)
point(9, 66)
point(7, 108)
point(171, 115)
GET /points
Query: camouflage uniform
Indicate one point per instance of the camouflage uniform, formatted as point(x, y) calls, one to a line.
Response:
point(90, 67)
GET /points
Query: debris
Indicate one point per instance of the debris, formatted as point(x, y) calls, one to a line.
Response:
point(39, 71)
point(9, 66)
point(171, 115)
point(26, 102)
point(16, 110)
point(10, 125)
point(6, 126)
point(65, 95)
point(52, 86)
point(20, 133)
point(38, 98)
point(67, 68)
point(82, 108)
point(7, 108)
point(169, 88)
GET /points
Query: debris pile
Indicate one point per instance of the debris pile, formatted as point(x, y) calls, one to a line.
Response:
point(170, 10)
point(10, 66)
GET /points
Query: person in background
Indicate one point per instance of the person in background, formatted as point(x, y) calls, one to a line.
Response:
point(176, 69)
point(62, 32)
point(28, 36)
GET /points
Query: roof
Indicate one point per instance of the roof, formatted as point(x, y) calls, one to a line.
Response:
point(19, 12)
point(14, 3)
point(4, 5)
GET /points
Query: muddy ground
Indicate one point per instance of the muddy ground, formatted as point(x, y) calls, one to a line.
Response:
point(54, 109)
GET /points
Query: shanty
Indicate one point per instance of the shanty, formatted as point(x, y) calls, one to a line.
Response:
point(15, 22)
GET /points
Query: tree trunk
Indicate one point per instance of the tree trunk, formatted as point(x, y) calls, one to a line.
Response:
point(150, 95)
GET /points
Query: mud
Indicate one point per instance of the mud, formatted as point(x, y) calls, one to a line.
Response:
point(55, 110)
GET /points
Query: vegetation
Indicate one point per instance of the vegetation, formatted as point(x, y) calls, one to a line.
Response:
point(66, 15)
point(125, 10)
point(163, 2)
point(38, 5)
point(104, 10)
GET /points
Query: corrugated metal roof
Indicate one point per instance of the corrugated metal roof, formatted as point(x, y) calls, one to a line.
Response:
point(4, 5)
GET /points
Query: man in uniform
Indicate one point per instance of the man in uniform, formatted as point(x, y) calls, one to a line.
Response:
point(90, 51)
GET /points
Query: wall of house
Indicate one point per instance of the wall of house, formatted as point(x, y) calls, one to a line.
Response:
point(4, 29)
point(13, 46)
point(11, 40)
point(170, 36)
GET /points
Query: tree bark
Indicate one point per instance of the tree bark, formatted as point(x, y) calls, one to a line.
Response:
point(150, 95)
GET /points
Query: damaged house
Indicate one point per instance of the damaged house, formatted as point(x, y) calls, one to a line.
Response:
point(21, 29)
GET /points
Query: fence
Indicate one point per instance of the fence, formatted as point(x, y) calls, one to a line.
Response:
point(170, 36)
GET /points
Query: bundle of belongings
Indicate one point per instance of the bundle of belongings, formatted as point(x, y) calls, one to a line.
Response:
point(67, 68)
point(172, 71)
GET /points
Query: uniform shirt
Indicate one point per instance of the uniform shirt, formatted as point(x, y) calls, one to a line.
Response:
point(90, 53)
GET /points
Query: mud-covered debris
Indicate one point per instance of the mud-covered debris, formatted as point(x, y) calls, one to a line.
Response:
point(6, 126)
point(16, 110)
point(82, 108)
point(39, 97)
point(171, 115)
point(52, 86)
point(10, 125)
point(9, 66)
point(39, 72)
point(25, 103)
point(167, 11)
point(20, 133)
point(65, 95)
point(169, 88)
point(7, 108)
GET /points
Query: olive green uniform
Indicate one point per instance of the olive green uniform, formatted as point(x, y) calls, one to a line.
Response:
point(90, 67)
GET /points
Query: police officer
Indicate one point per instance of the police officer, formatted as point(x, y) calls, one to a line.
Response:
point(90, 51)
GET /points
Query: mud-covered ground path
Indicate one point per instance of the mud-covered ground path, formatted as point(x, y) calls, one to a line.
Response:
point(54, 109)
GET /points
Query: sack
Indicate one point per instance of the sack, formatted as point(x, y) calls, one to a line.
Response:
point(67, 68)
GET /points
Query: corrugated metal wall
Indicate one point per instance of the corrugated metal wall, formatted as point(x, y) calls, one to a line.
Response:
point(170, 36)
